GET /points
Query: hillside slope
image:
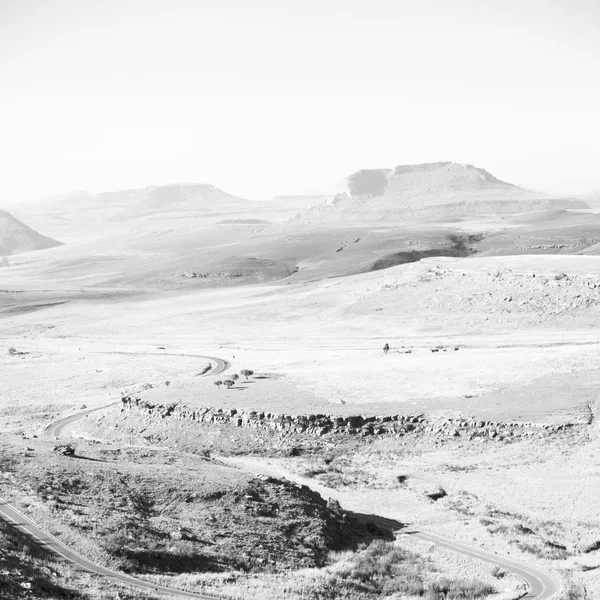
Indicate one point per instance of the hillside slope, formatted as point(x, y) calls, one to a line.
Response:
point(17, 237)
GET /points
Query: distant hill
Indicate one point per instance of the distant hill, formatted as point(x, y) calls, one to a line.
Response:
point(429, 190)
point(81, 215)
point(133, 204)
point(17, 237)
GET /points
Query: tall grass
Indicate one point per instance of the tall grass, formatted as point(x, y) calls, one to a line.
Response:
point(379, 570)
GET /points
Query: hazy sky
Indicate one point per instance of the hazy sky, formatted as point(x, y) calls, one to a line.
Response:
point(285, 96)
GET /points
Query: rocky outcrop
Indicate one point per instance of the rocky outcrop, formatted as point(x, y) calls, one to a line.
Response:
point(313, 424)
point(493, 430)
point(356, 425)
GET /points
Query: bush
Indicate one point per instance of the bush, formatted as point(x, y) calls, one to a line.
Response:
point(498, 572)
point(384, 569)
point(572, 591)
point(451, 589)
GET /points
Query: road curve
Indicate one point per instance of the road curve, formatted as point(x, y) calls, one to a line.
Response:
point(542, 586)
point(220, 363)
point(218, 366)
point(55, 429)
point(46, 540)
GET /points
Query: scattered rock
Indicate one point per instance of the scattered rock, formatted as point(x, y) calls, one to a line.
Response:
point(588, 544)
point(436, 493)
point(65, 449)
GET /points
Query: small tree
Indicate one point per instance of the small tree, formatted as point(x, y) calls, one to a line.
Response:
point(12, 351)
point(235, 377)
point(218, 384)
point(228, 383)
point(247, 373)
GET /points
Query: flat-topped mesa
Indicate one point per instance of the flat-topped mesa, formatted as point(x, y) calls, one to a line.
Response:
point(322, 424)
point(429, 190)
point(438, 177)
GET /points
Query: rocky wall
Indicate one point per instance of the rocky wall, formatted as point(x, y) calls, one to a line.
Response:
point(322, 424)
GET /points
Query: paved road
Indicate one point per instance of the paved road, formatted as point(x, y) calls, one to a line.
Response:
point(55, 429)
point(46, 540)
point(542, 586)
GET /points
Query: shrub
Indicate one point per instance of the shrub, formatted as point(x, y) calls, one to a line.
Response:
point(498, 572)
point(573, 591)
point(451, 589)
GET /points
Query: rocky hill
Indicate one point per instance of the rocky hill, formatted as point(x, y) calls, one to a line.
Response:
point(429, 190)
point(17, 237)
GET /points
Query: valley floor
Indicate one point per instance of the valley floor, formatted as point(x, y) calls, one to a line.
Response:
point(317, 348)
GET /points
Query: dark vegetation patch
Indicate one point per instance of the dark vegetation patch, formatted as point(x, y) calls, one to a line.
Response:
point(384, 569)
point(194, 516)
point(539, 539)
point(459, 247)
point(240, 270)
point(381, 570)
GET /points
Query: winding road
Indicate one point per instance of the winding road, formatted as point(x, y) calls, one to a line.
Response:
point(218, 366)
point(542, 586)
point(46, 540)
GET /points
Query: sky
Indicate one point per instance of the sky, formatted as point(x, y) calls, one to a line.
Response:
point(289, 96)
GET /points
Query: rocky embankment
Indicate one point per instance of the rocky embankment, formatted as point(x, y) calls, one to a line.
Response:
point(357, 425)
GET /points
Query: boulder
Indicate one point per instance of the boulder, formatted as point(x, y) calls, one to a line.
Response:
point(588, 544)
